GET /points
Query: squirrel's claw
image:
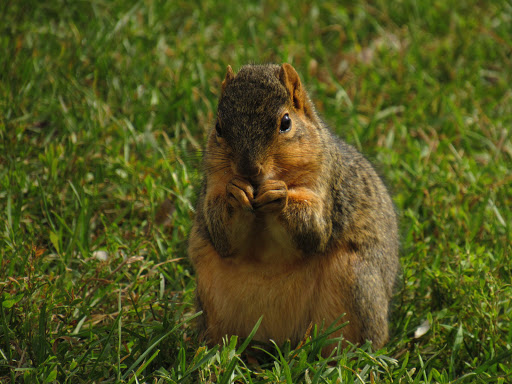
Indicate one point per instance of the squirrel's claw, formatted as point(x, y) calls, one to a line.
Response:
point(240, 194)
point(272, 196)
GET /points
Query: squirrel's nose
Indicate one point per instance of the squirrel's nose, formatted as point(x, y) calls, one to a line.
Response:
point(249, 170)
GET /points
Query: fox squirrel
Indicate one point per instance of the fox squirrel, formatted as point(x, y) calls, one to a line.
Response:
point(291, 222)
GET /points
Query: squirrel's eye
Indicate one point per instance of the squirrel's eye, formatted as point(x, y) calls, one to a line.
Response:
point(218, 129)
point(286, 124)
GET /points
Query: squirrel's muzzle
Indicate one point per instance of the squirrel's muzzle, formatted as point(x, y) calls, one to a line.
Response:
point(248, 166)
point(248, 170)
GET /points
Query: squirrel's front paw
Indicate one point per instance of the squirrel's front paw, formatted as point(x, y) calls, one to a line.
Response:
point(272, 196)
point(240, 193)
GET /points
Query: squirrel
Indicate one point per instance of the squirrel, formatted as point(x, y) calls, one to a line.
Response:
point(291, 223)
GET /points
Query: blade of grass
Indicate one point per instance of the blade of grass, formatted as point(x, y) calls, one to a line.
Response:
point(226, 376)
point(105, 344)
point(158, 341)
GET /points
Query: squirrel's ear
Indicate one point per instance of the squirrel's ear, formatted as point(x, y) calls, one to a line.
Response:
point(291, 81)
point(229, 76)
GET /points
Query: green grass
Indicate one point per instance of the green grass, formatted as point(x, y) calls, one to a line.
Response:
point(104, 107)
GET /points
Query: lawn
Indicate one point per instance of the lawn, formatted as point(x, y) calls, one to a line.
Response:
point(104, 108)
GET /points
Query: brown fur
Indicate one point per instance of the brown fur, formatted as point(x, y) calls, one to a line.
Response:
point(295, 226)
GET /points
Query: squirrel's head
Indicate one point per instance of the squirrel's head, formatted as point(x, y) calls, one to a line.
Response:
point(265, 122)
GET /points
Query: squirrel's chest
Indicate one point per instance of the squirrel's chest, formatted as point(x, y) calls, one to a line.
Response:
point(263, 240)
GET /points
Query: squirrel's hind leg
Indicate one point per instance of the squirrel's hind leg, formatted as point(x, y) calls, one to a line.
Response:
point(371, 304)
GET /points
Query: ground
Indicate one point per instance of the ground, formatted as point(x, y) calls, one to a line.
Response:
point(103, 112)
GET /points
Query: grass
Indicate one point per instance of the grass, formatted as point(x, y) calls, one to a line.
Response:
point(103, 110)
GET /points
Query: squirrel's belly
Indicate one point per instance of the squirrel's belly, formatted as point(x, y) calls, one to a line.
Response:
point(242, 294)
point(236, 293)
